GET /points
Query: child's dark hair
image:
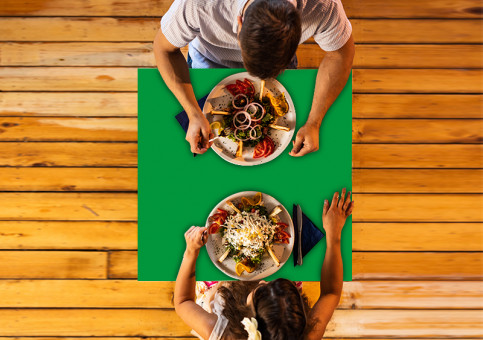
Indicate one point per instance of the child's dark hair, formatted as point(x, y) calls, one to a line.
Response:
point(280, 310)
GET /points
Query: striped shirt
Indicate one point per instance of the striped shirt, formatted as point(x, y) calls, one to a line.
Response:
point(210, 28)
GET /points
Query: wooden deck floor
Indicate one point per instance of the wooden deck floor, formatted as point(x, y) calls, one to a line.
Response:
point(68, 177)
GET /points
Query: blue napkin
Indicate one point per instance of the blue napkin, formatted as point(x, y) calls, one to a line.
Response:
point(183, 119)
point(311, 235)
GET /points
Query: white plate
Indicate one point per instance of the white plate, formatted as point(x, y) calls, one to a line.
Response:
point(219, 98)
point(266, 267)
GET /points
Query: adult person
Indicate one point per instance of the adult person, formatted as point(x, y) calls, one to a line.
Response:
point(262, 36)
point(274, 310)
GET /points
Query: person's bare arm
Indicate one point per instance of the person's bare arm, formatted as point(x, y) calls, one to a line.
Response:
point(331, 276)
point(174, 70)
point(332, 76)
point(184, 291)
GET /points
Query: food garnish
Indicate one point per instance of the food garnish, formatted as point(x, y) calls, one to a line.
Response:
point(248, 232)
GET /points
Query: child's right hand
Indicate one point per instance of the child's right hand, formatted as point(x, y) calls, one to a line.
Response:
point(335, 214)
point(196, 238)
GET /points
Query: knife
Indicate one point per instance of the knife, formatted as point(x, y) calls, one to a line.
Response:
point(299, 224)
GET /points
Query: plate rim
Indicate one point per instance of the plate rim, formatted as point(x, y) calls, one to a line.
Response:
point(289, 247)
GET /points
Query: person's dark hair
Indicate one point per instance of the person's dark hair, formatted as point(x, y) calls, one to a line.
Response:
point(280, 310)
point(269, 37)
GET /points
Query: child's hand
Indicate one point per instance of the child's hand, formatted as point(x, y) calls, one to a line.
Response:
point(335, 214)
point(196, 238)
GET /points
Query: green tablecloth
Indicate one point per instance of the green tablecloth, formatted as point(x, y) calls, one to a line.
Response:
point(177, 190)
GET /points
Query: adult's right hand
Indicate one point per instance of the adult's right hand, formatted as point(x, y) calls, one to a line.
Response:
point(199, 134)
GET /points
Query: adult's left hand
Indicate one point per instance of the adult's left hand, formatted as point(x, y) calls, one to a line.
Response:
point(306, 141)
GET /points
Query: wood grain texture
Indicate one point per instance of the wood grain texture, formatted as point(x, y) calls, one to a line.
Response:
point(62, 235)
point(417, 208)
point(417, 31)
point(135, 294)
point(52, 265)
point(309, 55)
point(125, 179)
point(417, 236)
point(399, 56)
point(149, 322)
point(417, 181)
point(68, 179)
point(69, 206)
point(144, 29)
point(125, 104)
point(365, 265)
point(68, 79)
point(417, 81)
point(125, 79)
point(424, 131)
point(417, 106)
point(68, 104)
point(417, 156)
point(416, 265)
point(68, 129)
point(69, 154)
point(353, 8)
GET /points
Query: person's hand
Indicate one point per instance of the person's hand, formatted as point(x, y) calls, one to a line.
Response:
point(199, 133)
point(306, 141)
point(196, 238)
point(335, 214)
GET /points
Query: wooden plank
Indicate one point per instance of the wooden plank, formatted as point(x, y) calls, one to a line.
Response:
point(417, 156)
point(417, 81)
point(125, 79)
point(413, 31)
point(413, 9)
point(68, 179)
point(68, 129)
point(417, 106)
point(41, 154)
point(152, 322)
point(62, 235)
point(68, 79)
point(68, 206)
point(309, 55)
point(125, 104)
point(68, 104)
point(417, 131)
point(123, 207)
point(418, 208)
point(123, 265)
point(52, 265)
point(379, 31)
point(365, 265)
point(79, 29)
point(430, 237)
point(125, 179)
point(353, 8)
point(416, 266)
point(417, 181)
point(135, 294)
point(398, 56)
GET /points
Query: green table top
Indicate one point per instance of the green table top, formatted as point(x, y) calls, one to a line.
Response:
point(177, 190)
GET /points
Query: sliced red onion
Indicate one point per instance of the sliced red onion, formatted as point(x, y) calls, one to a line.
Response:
point(241, 95)
point(253, 132)
point(254, 111)
point(238, 138)
point(242, 123)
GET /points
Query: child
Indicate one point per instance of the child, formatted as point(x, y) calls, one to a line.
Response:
point(261, 310)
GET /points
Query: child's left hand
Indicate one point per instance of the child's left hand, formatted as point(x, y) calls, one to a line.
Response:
point(196, 238)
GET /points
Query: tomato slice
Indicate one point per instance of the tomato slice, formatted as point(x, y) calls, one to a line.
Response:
point(213, 228)
point(223, 213)
point(270, 148)
point(260, 149)
point(284, 225)
point(251, 88)
point(233, 89)
point(283, 234)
